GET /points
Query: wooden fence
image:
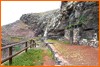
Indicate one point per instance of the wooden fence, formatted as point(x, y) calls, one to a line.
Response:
point(32, 43)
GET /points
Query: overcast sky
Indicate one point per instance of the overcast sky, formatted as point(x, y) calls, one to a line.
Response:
point(12, 10)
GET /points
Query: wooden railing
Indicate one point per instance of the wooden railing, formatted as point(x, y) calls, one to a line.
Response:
point(32, 43)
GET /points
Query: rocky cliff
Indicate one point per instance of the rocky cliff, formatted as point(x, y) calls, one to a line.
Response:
point(77, 21)
point(82, 22)
point(39, 22)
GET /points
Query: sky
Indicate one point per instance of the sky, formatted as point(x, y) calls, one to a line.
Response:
point(12, 10)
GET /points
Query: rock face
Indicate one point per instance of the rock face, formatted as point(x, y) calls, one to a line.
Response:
point(77, 21)
point(42, 22)
point(82, 20)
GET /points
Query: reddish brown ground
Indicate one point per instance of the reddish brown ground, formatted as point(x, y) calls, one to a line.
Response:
point(48, 61)
point(78, 55)
point(75, 55)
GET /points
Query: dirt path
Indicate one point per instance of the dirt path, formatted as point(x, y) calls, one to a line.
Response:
point(78, 55)
point(48, 61)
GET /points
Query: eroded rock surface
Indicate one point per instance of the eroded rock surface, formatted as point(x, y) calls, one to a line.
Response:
point(82, 21)
point(74, 20)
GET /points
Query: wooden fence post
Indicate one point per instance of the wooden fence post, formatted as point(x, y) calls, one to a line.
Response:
point(10, 53)
point(34, 44)
point(30, 43)
point(25, 46)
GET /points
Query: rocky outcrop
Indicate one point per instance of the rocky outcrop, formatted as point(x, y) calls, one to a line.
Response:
point(82, 21)
point(39, 22)
point(77, 21)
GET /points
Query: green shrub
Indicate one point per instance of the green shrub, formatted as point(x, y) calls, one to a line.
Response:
point(81, 21)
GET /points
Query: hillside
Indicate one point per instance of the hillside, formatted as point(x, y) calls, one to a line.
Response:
point(16, 32)
point(66, 36)
point(78, 18)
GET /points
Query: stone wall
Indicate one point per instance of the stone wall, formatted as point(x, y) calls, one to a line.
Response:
point(67, 34)
point(76, 36)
